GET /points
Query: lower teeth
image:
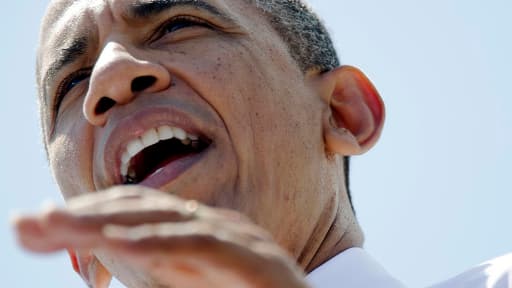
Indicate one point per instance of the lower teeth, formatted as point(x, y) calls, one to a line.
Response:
point(129, 180)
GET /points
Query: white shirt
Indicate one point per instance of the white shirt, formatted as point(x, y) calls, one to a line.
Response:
point(496, 273)
point(354, 268)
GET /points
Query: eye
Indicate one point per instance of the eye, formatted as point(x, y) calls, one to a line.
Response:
point(181, 22)
point(69, 83)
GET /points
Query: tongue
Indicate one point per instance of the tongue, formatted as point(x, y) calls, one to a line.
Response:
point(141, 175)
point(157, 156)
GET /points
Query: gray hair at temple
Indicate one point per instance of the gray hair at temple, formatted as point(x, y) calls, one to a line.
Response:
point(302, 30)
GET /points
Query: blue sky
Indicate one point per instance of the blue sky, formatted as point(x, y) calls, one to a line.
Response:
point(433, 197)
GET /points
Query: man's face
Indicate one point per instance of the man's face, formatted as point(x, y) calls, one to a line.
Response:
point(118, 73)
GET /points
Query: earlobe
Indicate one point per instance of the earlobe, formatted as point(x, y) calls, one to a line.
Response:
point(354, 119)
point(339, 140)
point(90, 269)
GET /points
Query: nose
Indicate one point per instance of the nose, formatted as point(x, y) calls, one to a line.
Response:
point(117, 78)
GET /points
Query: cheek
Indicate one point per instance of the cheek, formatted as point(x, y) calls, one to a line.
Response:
point(269, 115)
point(70, 155)
point(257, 93)
point(260, 95)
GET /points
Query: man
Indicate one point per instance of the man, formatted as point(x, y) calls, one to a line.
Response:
point(237, 111)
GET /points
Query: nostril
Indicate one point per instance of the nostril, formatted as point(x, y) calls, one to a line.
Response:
point(142, 83)
point(104, 105)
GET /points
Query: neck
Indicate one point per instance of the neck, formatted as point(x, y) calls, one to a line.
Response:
point(338, 232)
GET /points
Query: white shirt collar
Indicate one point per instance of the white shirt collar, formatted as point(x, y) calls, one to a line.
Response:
point(353, 268)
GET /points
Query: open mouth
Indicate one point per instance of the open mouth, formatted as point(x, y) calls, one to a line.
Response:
point(155, 149)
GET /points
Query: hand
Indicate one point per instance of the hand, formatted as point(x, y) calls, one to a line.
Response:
point(151, 239)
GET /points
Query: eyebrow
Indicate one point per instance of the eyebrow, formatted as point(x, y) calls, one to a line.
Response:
point(141, 9)
point(67, 55)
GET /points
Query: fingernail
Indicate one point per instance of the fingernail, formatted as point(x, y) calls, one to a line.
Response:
point(192, 206)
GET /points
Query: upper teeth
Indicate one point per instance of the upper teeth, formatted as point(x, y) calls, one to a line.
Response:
point(151, 137)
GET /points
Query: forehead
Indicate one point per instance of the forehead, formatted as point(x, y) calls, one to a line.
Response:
point(68, 25)
point(68, 16)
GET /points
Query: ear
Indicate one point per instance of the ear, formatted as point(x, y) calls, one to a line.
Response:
point(90, 269)
point(354, 119)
